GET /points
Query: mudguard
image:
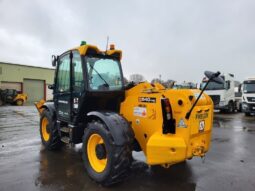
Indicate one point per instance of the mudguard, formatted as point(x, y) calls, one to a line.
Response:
point(118, 126)
point(41, 105)
point(50, 106)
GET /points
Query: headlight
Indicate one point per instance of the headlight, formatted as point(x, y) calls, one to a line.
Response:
point(244, 105)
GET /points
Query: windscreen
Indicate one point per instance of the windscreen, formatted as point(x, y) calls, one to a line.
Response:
point(249, 87)
point(213, 86)
point(104, 74)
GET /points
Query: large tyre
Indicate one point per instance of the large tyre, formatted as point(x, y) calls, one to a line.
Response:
point(105, 162)
point(231, 107)
point(49, 132)
point(240, 107)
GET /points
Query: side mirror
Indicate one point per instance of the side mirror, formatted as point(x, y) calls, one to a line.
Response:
point(240, 88)
point(228, 85)
point(51, 87)
point(214, 77)
point(54, 60)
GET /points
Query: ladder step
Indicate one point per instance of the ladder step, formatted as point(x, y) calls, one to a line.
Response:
point(65, 140)
point(64, 129)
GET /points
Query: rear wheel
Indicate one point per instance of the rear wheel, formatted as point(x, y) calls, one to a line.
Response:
point(231, 107)
point(240, 107)
point(19, 102)
point(105, 162)
point(49, 132)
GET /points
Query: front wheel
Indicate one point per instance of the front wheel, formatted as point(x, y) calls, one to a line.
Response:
point(49, 132)
point(105, 162)
point(231, 107)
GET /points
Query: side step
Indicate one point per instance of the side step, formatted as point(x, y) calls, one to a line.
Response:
point(65, 140)
point(64, 129)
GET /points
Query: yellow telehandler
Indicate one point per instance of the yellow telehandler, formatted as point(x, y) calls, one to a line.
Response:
point(92, 106)
point(11, 96)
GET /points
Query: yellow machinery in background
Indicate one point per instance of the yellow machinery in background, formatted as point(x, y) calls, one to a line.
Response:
point(11, 96)
point(93, 107)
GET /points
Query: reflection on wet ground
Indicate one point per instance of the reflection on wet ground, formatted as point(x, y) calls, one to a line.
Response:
point(26, 165)
point(237, 122)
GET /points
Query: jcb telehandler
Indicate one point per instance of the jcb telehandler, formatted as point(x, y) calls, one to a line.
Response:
point(11, 96)
point(92, 106)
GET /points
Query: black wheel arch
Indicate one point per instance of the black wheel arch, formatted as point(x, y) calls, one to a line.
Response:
point(50, 107)
point(113, 121)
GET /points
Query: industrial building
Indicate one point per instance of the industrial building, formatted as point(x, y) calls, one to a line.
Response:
point(31, 80)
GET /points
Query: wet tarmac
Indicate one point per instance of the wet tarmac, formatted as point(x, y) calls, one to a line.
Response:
point(26, 165)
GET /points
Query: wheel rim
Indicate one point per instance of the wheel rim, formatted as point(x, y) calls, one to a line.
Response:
point(97, 164)
point(45, 130)
point(19, 102)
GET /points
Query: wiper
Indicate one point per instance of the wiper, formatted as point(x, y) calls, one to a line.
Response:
point(99, 75)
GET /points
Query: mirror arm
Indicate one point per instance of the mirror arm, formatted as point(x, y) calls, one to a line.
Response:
point(191, 109)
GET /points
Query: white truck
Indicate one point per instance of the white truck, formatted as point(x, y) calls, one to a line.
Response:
point(224, 95)
point(248, 92)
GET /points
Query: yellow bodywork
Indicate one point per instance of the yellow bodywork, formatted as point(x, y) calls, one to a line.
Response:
point(39, 105)
point(83, 50)
point(147, 122)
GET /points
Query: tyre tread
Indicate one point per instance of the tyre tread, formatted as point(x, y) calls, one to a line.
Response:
point(121, 157)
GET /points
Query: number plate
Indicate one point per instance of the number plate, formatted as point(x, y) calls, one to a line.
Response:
point(201, 116)
point(201, 126)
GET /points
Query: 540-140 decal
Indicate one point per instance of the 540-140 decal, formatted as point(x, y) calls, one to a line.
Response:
point(147, 99)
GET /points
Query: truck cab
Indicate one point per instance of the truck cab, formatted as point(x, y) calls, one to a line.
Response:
point(223, 95)
point(248, 92)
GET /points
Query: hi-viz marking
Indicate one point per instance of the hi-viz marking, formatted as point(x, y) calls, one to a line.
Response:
point(147, 99)
point(201, 126)
point(63, 101)
point(140, 111)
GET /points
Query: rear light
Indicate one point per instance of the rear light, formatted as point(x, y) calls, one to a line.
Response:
point(168, 120)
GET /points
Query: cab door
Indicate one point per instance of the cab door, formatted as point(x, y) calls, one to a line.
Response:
point(78, 83)
point(62, 93)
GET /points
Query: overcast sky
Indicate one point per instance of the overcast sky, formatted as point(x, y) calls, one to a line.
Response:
point(177, 39)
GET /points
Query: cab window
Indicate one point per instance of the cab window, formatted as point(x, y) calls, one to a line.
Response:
point(63, 78)
point(78, 73)
point(104, 74)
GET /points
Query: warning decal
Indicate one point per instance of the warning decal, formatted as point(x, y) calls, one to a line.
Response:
point(140, 111)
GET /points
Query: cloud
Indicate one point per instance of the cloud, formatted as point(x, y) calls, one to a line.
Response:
point(177, 39)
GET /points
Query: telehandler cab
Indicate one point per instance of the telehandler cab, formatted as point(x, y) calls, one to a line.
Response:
point(91, 106)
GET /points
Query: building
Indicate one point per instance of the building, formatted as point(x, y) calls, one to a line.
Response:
point(31, 80)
